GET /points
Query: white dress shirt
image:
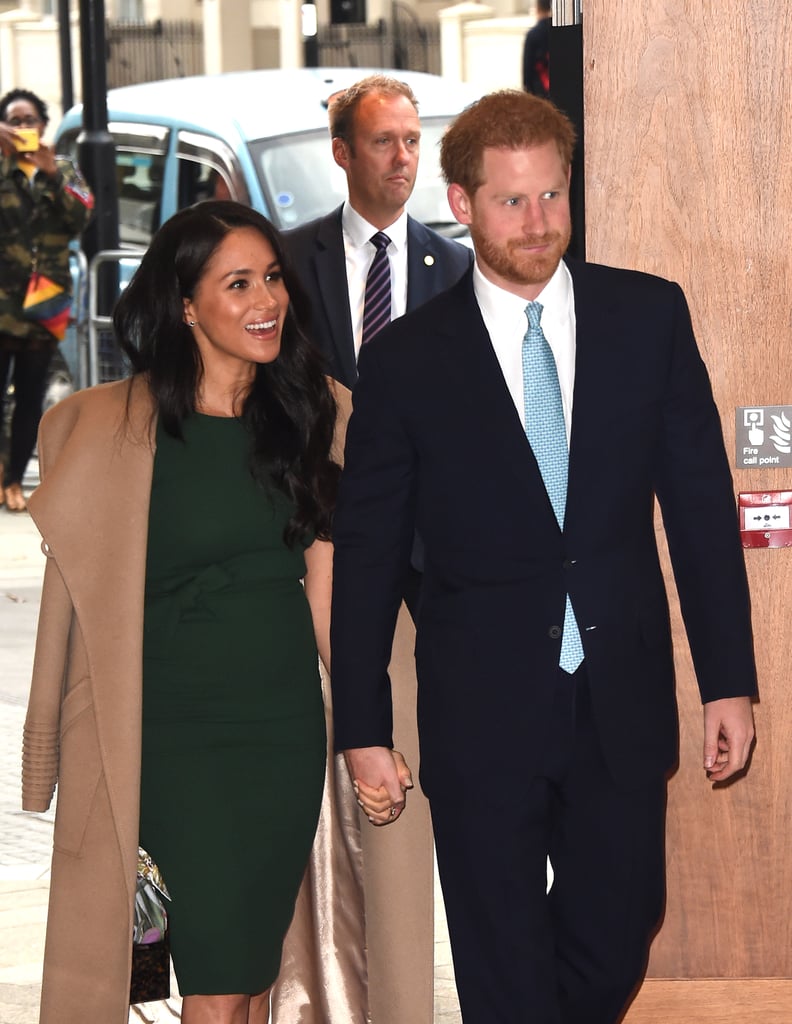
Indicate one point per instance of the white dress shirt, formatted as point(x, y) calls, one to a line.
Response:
point(504, 317)
point(359, 257)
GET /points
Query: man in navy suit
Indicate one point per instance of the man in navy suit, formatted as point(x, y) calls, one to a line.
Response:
point(546, 704)
point(376, 136)
point(376, 132)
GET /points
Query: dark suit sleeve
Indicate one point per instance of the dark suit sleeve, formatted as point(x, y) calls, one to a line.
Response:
point(696, 494)
point(316, 253)
point(373, 535)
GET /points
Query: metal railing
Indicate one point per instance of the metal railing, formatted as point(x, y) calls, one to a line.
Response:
point(149, 51)
point(79, 319)
point(567, 12)
point(400, 43)
point(103, 360)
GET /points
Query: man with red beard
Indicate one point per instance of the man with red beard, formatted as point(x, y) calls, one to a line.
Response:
point(525, 421)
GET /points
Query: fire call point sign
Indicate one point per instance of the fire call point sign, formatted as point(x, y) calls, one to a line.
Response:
point(764, 436)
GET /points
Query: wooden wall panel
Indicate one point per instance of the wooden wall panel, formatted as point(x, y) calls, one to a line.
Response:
point(689, 175)
point(705, 1002)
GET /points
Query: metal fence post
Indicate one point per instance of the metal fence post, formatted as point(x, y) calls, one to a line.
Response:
point(96, 321)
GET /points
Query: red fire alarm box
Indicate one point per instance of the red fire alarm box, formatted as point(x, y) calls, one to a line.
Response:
point(765, 519)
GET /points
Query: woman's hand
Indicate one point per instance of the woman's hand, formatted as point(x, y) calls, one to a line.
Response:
point(377, 804)
point(43, 158)
point(7, 140)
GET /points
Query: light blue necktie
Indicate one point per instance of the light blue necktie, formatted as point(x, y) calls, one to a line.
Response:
point(546, 433)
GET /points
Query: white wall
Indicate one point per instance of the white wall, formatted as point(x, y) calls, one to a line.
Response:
point(478, 46)
point(172, 10)
point(481, 49)
point(29, 59)
point(493, 52)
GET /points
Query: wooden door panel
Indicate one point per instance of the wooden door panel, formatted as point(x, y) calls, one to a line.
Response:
point(688, 175)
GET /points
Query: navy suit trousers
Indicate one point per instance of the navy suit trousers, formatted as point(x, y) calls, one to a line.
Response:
point(575, 954)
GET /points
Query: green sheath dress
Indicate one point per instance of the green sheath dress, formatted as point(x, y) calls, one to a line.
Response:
point(234, 747)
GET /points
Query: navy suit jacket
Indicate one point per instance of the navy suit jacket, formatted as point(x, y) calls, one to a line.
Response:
point(435, 443)
point(316, 250)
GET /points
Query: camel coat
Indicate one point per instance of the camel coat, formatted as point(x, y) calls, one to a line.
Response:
point(83, 727)
point(83, 731)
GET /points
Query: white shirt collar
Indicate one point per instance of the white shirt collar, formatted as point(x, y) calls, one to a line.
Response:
point(557, 296)
point(503, 314)
point(498, 303)
point(359, 231)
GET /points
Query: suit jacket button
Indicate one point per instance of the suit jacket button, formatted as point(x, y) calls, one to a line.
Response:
point(555, 632)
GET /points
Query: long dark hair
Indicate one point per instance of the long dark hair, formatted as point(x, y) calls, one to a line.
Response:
point(289, 410)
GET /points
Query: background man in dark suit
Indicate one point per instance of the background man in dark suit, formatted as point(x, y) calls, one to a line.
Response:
point(375, 133)
point(525, 421)
point(536, 52)
point(376, 136)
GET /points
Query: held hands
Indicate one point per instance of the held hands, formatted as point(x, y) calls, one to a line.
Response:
point(380, 778)
point(728, 735)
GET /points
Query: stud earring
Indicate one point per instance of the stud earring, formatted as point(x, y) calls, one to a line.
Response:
point(191, 323)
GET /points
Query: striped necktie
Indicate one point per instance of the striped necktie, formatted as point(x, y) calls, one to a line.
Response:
point(546, 432)
point(377, 302)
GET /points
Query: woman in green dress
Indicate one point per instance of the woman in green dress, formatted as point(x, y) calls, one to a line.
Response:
point(237, 594)
point(175, 700)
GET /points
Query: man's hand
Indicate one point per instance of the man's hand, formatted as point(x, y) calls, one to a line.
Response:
point(380, 777)
point(728, 735)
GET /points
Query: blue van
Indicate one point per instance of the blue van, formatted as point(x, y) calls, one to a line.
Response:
point(260, 137)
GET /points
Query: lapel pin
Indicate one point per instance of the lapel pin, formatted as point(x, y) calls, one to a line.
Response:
point(429, 261)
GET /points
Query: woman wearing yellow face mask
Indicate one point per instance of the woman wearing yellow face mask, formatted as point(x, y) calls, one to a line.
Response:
point(44, 203)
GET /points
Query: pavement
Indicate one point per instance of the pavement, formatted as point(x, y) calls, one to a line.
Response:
point(26, 839)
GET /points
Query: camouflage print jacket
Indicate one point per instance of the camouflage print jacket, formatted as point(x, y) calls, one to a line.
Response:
point(38, 217)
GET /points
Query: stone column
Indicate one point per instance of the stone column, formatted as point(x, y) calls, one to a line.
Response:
point(228, 36)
